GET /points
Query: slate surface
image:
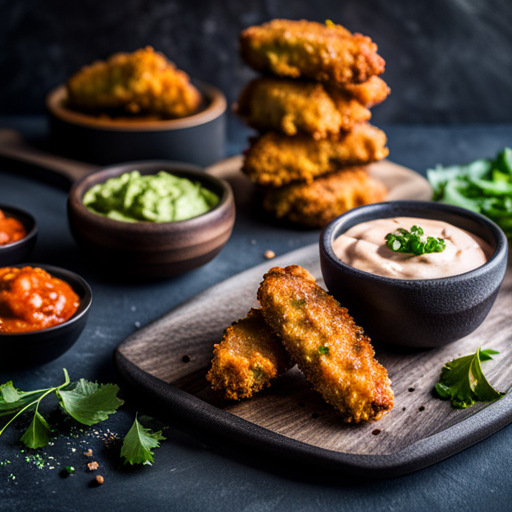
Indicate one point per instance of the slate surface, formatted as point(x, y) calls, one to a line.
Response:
point(447, 60)
point(204, 475)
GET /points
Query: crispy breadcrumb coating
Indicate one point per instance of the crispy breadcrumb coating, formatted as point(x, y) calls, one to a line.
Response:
point(318, 203)
point(295, 106)
point(369, 93)
point(248, 358)
point(310, 50)
point(274, 159)
point(331, 350)
point(140, 83)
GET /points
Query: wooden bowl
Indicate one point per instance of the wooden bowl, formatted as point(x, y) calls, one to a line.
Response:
point(20, 250)
point(198, 139)
point(148, 249)
point(29, 349)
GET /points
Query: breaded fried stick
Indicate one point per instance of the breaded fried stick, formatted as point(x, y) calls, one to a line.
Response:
point(142, 83)
point(276, 160)
point(312, 50)
point(293, 106)
point(331, 350)
point(248, 358)
point(369, 93)
point(316, 204)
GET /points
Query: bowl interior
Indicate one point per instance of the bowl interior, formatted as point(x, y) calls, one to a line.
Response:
point(214, 106)
point(25, 218)
point(182, 170)
point(79, 286)
point(459, 217)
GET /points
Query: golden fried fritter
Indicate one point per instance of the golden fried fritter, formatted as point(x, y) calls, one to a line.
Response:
point(369, 93)
point(293, 106)
point(331, 350)
point(248, 358)
point(141, 83)
point(274, 159)
point(310, 50)
point(316, 204)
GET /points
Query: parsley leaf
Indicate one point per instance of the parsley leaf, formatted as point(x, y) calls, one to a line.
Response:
point(38, 433)
point(87, 402)
point(414, 242)
point(464, 383)
point(90, 402)
point(9, 393)
point(138, 443)
point(484, 186)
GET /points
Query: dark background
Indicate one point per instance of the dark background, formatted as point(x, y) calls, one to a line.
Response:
point(448, 61)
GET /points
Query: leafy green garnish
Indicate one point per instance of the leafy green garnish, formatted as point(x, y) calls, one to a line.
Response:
point(86, 402)
point(413, 242)
point(323, 350)
point(38, 434)
point(484, 186)
point(138, 443)
point(298, 303)
point(464, 383)
point(90, 402)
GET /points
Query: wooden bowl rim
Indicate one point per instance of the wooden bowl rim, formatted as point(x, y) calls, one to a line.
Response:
point(216, 107)
point(187, 170)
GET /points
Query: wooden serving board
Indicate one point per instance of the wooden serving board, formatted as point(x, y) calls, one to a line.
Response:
point(168, 360)
point(401, 182)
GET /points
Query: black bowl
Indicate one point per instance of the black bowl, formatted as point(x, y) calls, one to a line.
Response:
point(29, 349)
point(423, 312)
point(18, 251)
point(198, 139)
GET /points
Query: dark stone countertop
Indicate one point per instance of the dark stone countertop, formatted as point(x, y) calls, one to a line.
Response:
point(191, 474)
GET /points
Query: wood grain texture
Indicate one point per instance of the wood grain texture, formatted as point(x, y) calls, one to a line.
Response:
point(401, 182)
point(178, 348)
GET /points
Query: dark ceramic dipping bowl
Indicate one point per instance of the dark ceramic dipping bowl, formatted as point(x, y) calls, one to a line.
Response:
point(18, 251)
point(149, 249)
point(198, 139)
point(28, 349)
point(416, 313)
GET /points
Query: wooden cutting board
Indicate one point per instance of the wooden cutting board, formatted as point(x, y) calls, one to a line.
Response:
point(168, 360)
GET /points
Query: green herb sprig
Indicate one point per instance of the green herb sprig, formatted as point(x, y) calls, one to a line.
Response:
point(414, 241)
point(464, 383)
point(86, 402)
point(138, 443)
point(483, 186)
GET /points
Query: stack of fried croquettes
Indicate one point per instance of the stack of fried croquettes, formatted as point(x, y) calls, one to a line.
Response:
point(312, 116)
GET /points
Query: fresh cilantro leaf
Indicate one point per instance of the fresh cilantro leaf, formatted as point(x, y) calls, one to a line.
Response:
point(323, 350)
point(138, 443)
point(484, 186)
point(413, 242)
point(464, 383)
point(38, 433)
point(90, 402)
point(9, 393)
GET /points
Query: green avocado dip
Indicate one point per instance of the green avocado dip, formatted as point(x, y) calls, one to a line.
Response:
point(160, 197)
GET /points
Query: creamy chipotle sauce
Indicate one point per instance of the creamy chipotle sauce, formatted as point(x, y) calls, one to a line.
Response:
point(364, 247)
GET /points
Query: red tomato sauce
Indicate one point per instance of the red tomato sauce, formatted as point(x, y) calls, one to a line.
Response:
point(11, 229)
point(31, 300)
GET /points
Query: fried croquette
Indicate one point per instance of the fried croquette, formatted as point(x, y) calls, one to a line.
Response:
point(330, 349)
point(318, 203)
point(248, 358)
point(369, 93)
point(139, 83)
point(306, 49)
point(294, 106)
point(276, 160)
